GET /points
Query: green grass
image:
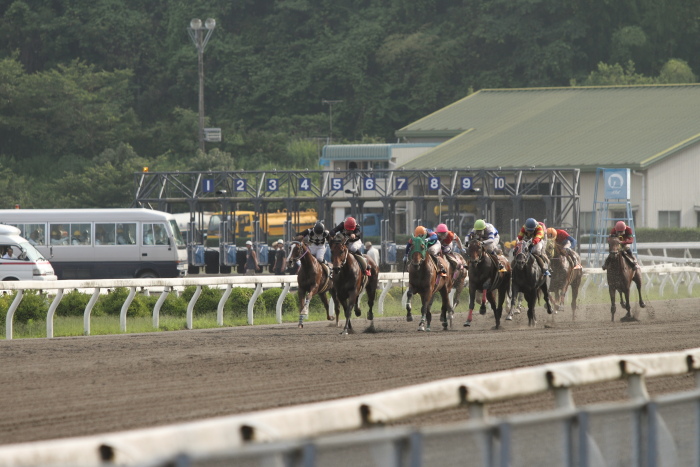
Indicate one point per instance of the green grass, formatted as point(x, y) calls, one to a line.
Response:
point(65, 326)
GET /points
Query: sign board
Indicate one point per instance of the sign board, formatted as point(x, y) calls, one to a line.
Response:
point(212, 135)
point(617, 183)
point(208, 185)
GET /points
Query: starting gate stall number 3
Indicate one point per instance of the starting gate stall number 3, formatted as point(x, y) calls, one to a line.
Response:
point(273, 184)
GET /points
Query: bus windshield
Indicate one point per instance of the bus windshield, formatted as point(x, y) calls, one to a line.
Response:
point(179, 242)
point(30, 252)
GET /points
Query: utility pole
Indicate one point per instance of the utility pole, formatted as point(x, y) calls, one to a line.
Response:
point(195, 31)
point(330, 116)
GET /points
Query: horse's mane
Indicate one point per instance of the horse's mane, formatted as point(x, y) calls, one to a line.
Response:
point(340, 237)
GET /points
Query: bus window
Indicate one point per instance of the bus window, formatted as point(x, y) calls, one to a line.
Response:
point(59, 234)
point(81, 234)
point(105, 234)
point(155, 234)
point(126, 233)
point(177, 235)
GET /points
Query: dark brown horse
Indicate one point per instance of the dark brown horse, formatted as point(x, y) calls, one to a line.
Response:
point(485, 278)
point(564, 275)
point(349, 280)
point(621, 274)
point(529, 279)
point(312, 279)
point(458, 274)
point(424, 280)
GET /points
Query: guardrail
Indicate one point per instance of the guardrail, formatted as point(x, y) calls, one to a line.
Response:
point(663, 275)
point(158, 446)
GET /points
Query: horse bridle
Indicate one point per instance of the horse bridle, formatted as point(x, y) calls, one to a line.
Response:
point(481, 253)
point(345, 259)
point(290, 259)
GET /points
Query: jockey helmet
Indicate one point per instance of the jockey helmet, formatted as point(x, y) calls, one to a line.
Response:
point(350, 223)
point(620, 226)
point(420, 231)
point(551, 232)
point(530, 224)
point(441, 228)
point(480, 224)
point(319, 228)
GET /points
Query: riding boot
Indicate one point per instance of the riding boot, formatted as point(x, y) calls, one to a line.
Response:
point(501, 267)
point(543, 265)
point(439, 266)
point(632, 259)
point(363, 263)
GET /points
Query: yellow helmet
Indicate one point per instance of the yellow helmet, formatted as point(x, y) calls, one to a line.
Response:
point(420, 231)
point(551, 232)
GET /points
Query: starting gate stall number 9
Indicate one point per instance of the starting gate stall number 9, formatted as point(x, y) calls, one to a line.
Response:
point(240, 184)
point(434, 183)
point(336, 184)
point(273, 184)
point(369, 183)
point(305, 184)
point(401, 183)
point(466, 183)
point(499, 183)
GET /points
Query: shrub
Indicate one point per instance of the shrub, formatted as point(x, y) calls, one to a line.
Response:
point(111, 304)
point(270, 297)
point(173, 305)
point(73, 304)
point(34, 306)
point(207, 302)
point(237, 303)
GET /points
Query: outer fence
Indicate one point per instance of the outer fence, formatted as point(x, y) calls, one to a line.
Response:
point(639, 432)
point(662, 276)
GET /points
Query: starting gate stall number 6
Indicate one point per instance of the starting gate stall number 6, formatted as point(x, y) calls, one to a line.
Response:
point(369, 183)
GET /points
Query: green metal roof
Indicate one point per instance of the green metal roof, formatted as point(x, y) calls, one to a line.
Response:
point(354, 152)
point(578, 127)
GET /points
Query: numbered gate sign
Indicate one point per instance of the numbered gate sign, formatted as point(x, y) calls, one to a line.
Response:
point(434, 183)
point(401, 183)
point(273, 184)
point(499, 183)
point(336, 184)
point(466, 183)
point(208, 185)
point(369, 183)
point(240, 184)
point(304, 184)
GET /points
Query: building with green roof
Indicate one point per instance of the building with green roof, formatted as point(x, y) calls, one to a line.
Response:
point(652, 130)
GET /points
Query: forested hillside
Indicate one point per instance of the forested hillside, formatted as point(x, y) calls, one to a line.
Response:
point(93, 90)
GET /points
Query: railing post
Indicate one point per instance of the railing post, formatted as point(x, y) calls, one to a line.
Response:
point(251, 303)
point(382, 296)
point(159, 304)
point(222, 304)
point(88, 311)
point(11, 314)
point(52, 310)
point(125, 308)
point(280, 302)
point(190, 306)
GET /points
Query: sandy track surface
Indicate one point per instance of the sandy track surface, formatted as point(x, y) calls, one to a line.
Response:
point(64, 387)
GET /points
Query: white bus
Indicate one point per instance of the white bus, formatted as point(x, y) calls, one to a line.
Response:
point(103, 243)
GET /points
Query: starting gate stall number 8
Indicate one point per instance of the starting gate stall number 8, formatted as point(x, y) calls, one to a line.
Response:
point(434, 183)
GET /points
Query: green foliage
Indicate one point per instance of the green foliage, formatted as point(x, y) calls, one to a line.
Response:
point(676, 71)
point(174, 305)
point(33, 307)
point(615, 75)
point(270, 296)
point(237, 303)
point(208, 300)
point(667, 235)
point(111, 304)
point(73, 303)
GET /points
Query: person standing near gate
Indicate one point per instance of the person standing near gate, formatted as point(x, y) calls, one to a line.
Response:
point(278, 267)
point(372, 252)
point(251, 259)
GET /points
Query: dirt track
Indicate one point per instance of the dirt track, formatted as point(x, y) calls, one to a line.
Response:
point(62, 387)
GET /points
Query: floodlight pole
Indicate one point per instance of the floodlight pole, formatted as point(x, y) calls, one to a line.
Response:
point(200, 42)
point(330, 116)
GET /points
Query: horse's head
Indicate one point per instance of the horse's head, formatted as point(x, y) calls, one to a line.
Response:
point(419, 248)
point(339, 250)
point(296, 251)
point(521, 253)
point(613, 245)
point(475, 250)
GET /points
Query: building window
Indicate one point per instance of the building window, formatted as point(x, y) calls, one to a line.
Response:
point(586, 222)
point(669, 219)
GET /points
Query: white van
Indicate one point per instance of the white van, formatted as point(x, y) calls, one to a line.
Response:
point(19, 260)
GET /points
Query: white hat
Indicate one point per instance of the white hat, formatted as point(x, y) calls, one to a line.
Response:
point(248, 242)
point(368, 244)
point(280, 241)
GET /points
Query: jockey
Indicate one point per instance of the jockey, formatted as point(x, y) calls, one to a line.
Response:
point(624, 233)
point(431, 241)
point(445, 239)
point(535, 231)
point(565, 243)
point(351, 228)
point(488, 235)
point(317, 236)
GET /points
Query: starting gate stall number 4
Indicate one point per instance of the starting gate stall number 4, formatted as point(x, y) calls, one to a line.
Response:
point(305, 184)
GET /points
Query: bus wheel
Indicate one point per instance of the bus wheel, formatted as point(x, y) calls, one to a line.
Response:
point(147, 275)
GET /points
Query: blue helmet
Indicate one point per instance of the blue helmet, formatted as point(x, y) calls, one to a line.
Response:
point(530, 224)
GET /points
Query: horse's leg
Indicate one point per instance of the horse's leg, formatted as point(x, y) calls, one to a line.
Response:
point(445, 307)
point(531, 299)
point(514, 291)
point(612, 301)
point(637, 278)
point(472, 296)
point(545, 292)
point(347, 308)
point(498, 310)
point(425, 305)
point(336, 305)
point(303, 307)
point(485, 296)
point(324, 300)
point(575, 284)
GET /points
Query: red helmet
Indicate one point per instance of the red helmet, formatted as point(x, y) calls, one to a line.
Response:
point(350, 223)
point(620, 226)
point(441, 228)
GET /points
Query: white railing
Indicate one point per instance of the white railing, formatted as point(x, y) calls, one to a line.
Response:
point(474, 392)
point(663, 275)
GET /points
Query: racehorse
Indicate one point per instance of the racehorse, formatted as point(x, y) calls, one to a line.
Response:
point(621, 274)
point(485, 277)
point(564, 276)
point(529, 279)
point(349, 280)
point(459, 275)
point(424, 280)
point(312, 279)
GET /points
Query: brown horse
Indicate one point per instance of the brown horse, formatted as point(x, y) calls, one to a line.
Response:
point(564, 276)
point(621, 274)
point(529, 278)
point(424, 280)
point(485, 277)
point(349, 280)
point(312, 279)
point(458, 273)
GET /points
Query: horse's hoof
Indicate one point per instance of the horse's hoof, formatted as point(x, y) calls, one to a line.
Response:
point(444, 326)
point(482, 312)
point(427, 329)
point(409, 318)
point(642, 305)
point(301, 326)
point(509, 317)
point(358, 313)
point(467, 324)
point(421, 328)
